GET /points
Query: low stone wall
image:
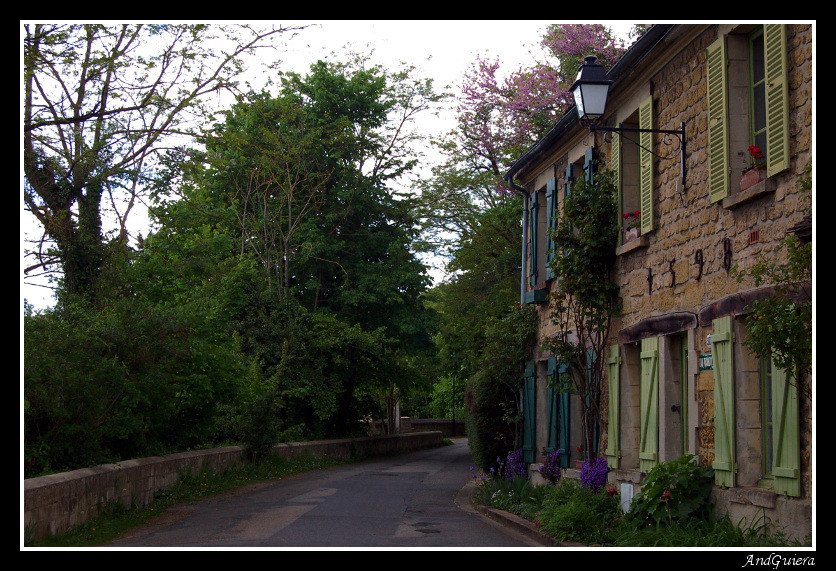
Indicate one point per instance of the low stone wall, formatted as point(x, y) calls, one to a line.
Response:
point(55, 503)
point(445, 426)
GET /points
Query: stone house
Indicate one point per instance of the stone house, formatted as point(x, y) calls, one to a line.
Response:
point(679, 378)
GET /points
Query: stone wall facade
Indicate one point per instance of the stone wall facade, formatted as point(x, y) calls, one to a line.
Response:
point(677, 278)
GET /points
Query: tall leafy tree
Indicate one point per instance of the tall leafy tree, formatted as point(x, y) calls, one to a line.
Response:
point(99, 103)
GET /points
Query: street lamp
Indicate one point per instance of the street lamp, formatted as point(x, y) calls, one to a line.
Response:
point(591, 89)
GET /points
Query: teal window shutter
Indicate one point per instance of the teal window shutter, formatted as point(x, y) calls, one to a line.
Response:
point(532, 218)
point(553, 393)
point(590, 363)
point(563, 414)
point(568, 180)
point(551, 210)
point(589, 167)
point(529, 412)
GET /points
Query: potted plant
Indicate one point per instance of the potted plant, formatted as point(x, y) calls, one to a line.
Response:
point(633, 220)
point(756, 171)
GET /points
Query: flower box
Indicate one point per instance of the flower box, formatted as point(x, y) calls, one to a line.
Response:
point(751, 177)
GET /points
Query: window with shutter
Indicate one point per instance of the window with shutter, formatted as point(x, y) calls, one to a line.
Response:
point(613, 451)
point(589, 165)
point(563, 414)
point(646, 165)
point(529, 400)
point(722, 339)
point(718, 146)
point(533, 238)
point(747, 67)
point(784, 455)
point(777, 99)
point(551, 210)
point(552, 395)
point(649, 405)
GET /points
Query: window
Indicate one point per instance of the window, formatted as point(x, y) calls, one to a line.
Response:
point(529, 411)
point(558, 412)
point(756, 416)
point(757, 89)
point(747, 98)
point(648, 416)
point(632, 161)
point(779, 430)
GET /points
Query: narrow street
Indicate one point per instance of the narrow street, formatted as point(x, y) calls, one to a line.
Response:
point(415, 500)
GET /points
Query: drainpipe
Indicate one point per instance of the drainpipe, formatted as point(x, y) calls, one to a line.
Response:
point(521, 190)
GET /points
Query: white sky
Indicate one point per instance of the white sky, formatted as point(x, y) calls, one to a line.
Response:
point(440, 49)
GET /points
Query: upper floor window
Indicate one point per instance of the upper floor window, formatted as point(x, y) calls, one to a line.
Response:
point(747, 100)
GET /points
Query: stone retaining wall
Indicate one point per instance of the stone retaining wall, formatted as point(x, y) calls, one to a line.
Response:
point(55, 503)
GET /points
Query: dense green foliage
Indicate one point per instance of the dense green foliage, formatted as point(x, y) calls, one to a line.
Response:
point(568, 511)
point(587, 298)
point(781, 326)
point(571, 512)
point(277, 298)
point(673, 492)
point(494, 387)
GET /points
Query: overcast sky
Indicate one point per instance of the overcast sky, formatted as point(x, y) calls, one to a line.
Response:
point(440, 49)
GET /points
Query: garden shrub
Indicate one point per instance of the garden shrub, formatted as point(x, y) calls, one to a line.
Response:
point(673, 491)
point(574, 512)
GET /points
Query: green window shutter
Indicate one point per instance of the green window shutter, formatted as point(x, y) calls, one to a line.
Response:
point(532, 217)
point(529, 412)
point(613, 451)
point(589, 167)
point(786, 455)
point(551, 210)
point(718, 121)
point(722, 340)
point(777, 99)
point(646, 165)
point(615, 167)
point(553, 393)
point(563, 414)
point(649, 406)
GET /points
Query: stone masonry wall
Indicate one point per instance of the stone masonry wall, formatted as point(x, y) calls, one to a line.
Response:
point(685, 221)
point(55, 503)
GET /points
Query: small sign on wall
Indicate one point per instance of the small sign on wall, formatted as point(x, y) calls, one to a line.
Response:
point(706, 362)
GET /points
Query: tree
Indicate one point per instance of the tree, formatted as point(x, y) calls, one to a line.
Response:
point(99, 104)
point(299, 184)
point(586, 298)
point(781, 325)
point(268, 155)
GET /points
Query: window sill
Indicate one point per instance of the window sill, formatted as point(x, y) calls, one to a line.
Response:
point(763, 188)
point(637, 244)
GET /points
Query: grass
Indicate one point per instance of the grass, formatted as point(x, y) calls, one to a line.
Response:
point(117, 519)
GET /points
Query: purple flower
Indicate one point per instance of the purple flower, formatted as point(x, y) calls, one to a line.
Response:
point(594, 473)
point(550, 469)
point(515, 466)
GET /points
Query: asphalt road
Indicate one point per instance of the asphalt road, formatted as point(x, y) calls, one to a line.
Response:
point(416, 500)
